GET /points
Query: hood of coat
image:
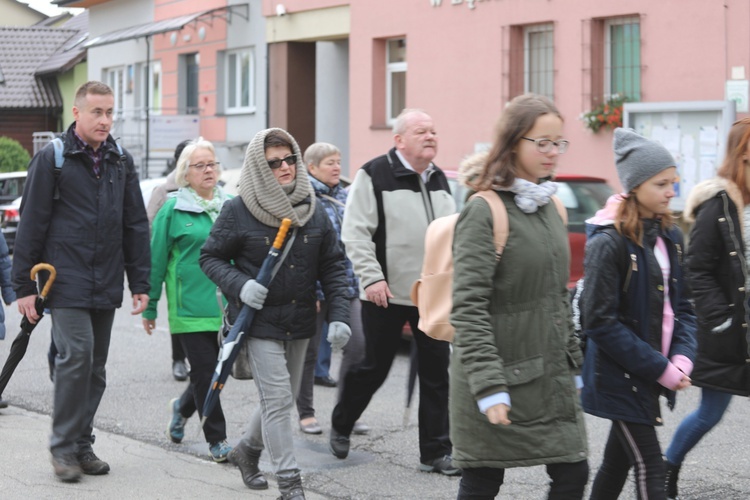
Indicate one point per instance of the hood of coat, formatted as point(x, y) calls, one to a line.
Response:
point(706, 190)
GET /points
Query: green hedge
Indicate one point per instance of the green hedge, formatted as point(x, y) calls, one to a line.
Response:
point(13, 157)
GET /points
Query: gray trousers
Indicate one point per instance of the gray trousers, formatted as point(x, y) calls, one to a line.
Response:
point(277, 371)
point(82, 340)
point(353, 354)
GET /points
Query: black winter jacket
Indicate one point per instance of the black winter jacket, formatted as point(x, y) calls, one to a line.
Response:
point(717, 273)
point(622, 314)
point(238, 245)
point(95, 230)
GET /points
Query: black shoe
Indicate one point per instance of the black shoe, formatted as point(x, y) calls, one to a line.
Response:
point(290, 485)
point(442, 465)
point(3, 403)
point(92, 465)
point(67, 468)
point(339, 444)
point(670, 483)
point(246, 459)
point(326, 381)
point(179, 370)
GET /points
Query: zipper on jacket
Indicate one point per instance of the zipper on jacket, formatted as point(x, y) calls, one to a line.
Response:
point(426, 200)
point(633, 267)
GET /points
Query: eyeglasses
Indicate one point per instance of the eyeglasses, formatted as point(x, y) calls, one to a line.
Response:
point(290, 160)
point(201, 167)
point(545, 145)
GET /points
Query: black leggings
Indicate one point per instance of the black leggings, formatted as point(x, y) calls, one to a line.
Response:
point(483, 483)
point(631, 445)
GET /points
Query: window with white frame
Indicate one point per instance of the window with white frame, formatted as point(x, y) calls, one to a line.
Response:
point(148, 83)
point(539, 60)
point(622, 57)
point(115, 78)
point(395, 70)
point(240, 81)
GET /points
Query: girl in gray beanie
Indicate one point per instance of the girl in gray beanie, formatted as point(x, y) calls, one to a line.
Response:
point(274, 185)
point(636, 317)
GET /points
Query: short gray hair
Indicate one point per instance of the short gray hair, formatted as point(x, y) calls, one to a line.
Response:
point(399, 125)
point(315, 153)
point(184, 162)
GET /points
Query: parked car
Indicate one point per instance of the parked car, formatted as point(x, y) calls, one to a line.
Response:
point(11, 186)
point(9, 217)
point(581, 195)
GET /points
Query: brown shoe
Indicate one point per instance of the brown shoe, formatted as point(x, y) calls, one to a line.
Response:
point(92, 465)
point(67, 468)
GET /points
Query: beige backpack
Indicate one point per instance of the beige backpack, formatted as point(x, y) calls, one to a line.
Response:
point(432, 293)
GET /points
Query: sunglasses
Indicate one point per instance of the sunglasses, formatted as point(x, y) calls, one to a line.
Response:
point(290, 160)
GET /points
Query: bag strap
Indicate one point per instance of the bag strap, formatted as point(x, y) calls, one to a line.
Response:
point(561, 209)
point(500, 228)
point(331, 198)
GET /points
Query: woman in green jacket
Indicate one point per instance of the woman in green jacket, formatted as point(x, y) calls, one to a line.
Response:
point(513, 397)
point(179, 230)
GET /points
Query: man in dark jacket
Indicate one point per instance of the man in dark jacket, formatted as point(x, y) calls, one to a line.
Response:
point(391, 201)
point(87, 219)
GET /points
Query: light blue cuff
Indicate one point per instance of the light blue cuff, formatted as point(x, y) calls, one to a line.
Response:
point(579, 382)
point(496, 399)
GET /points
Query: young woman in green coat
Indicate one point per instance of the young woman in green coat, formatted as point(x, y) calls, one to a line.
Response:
point(513, 397)
point(179, 231)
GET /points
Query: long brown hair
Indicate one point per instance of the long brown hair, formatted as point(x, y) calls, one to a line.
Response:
point(628, 221)
point(516, 120)
point(733, 166)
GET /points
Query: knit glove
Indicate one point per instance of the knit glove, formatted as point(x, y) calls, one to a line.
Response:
point(253, 294)
point(338, 334)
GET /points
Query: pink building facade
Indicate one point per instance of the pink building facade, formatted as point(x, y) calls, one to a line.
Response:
point(463, 60)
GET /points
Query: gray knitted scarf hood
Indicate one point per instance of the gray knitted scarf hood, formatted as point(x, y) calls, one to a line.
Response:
point(266, 199)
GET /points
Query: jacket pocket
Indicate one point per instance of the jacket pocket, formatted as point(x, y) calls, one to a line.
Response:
point(526, 385)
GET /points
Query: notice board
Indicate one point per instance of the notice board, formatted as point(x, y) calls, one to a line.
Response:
point(695, 132)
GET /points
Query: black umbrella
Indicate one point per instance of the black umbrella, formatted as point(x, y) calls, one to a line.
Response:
point(18, 348)
point(411, 382)
point(230, 346)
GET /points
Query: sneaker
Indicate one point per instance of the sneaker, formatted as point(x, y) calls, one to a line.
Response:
point(67, 468)
point(219, 451)
point(176, 429)
point(360, 428)
point(339, 444)
point(91, 464)
point(179, 370)
point(443, 465)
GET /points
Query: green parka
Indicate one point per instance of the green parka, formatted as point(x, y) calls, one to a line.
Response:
point(514, 334)
point(180, 229)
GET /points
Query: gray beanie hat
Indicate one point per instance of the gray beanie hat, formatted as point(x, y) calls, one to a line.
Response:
point(638, 159)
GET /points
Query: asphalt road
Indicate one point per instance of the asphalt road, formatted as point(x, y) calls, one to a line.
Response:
point(382, 465)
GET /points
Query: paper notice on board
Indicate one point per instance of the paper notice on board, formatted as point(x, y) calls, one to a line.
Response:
point(709, 141)
point(667, 137)
point(688, 174)
point(687, 146)
point(707, 168)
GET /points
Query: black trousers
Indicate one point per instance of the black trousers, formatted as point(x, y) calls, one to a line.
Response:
point(382, 328)
point(483, 483)
point(178, 353)
point(202, 350)
point(631, 445)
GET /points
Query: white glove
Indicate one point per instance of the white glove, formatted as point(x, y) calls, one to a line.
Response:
point(338, 334)
point(253, 294)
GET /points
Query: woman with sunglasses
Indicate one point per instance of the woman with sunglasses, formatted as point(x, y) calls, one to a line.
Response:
point(274, 185)
point(179, 230)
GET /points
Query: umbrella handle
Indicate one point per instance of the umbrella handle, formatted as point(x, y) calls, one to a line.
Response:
point(52, 275)
point(281, 235)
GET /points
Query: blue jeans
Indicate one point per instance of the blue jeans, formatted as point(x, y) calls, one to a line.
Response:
point(697, 424)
